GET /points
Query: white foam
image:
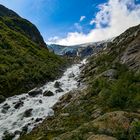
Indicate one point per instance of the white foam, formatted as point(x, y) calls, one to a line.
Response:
point(13, 120)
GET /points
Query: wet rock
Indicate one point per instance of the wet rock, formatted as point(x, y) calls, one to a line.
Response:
point(59, 90)
point(38, 119)
point(23, 98)
point(28, 113)
point(48, 93)
point(2, 99)
point(6, 106)
point(35, 92)
point(4, 111)
point(57, 84)
point(24, 129)
point(17, 132)
point(18, 104)
point(40, 101)
point(8, 136)
point(32, 119)
point(71, 75)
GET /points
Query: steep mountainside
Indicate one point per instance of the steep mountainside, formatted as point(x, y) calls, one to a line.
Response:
point(25, 61)
point(81, 50)
point(109, 107)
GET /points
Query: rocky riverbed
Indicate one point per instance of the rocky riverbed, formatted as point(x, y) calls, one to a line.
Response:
point(20, 114)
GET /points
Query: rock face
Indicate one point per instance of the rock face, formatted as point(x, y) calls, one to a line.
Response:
point(31, 31)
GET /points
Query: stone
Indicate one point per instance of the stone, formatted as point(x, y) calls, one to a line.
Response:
point(40, 101)
point(59, 90)
point(17, 132)
point(101, 137)
point(18, 104)
point(64, 114)
point(24, 129)
point(111, 73)
point(71, 75)
point(4, 111)
point(38, 119)
point(2, 99)
point(48, 93)
point(57, 84)
point(28, 113)
point(35, 92)
point(6, 106)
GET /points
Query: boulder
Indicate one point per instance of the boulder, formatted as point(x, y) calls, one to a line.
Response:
point(35, 92)
point(59, 90)
point(28, 113)
point(2, 99)
point(48, 93)
point(57, 84)
point(18, 104)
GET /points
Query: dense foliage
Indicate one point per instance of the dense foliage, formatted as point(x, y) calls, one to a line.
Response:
point(24, 60)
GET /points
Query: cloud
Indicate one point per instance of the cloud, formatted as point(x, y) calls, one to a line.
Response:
point(82, 18)
point(113, 18)
point(78, 27)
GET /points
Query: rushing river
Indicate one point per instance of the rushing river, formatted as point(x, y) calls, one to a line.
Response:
point(13, 120)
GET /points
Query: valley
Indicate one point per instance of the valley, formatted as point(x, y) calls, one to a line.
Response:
point(88, 91)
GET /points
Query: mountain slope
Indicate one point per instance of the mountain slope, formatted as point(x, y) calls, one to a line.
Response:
point(109, 107)
point(25, 62)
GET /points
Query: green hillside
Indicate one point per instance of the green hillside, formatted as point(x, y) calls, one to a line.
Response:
point(25, 61)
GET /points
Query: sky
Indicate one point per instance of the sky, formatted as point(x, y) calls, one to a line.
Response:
point(70, 22)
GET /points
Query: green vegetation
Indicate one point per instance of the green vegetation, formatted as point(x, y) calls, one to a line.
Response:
point(25, 61)
point(121, 92)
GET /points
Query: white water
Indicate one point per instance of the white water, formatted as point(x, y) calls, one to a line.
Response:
point(13, 120)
